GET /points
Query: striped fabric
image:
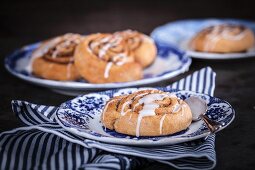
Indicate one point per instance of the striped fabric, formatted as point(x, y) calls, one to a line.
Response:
point(43, 144)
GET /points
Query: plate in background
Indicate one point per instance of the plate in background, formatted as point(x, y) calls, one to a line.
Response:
point(169, 63)
point(178, 34)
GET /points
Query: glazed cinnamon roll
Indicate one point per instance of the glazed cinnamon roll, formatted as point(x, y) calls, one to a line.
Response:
point(147, 113)
point(105, 58)
point(225, 38)
point(54, 59)
point(142, 45)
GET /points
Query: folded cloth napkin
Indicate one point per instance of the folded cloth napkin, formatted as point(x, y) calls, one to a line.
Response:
point(43, 144)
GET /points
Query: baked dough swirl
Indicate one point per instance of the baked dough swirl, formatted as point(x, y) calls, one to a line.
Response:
point(54, 59)
point(147, 113)
point(143, 46)
point(105, 58)
point(224, 38)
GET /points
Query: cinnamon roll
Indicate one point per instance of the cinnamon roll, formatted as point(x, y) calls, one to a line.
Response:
point(142, 45)
point(105, 58)
point(225, 38)
point(54, 59)
point(147, 113)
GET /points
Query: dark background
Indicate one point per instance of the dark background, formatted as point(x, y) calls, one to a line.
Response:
point(28, 21)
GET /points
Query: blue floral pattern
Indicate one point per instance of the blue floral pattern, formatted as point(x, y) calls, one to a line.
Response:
point(92, 103)
point(73, 119)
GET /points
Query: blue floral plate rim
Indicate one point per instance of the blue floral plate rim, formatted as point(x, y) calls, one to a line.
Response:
point(86, 123)
point(180, 41)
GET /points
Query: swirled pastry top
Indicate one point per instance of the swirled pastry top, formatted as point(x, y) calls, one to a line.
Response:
point(227, 30)
point(133, 38)
point(223, 38)
point(120, 47)
point(110, 48)
point(141, 45)
point(109, 56)
point(147, 113)
point(54, 58)
point(59, 49)
point(116, 57)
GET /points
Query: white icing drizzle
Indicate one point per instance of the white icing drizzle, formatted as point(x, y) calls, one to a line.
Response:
point(107, 43)
point(53, 43)
point(137, 104)
point(139, 95)
point(105, 108)
point(127, 111)
point(105, 40)
point(161, 123)
point(215, 35)
point(176, 108)
point(118, 56)
point(148, 101)
point(142, 94)
point(122, 112)
point(150, 98)
point(148, 108)
point(45, 48)
point(122, 57)
point(228, 36)
point(94, 45)
point(179, 106)
point(107, 69)
point(130, 117)
point(38, 53)
point(103, 50)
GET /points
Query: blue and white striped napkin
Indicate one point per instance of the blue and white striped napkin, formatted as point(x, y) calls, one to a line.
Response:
point(43, 144)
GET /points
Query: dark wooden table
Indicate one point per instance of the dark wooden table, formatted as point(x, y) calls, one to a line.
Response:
point(24, 22)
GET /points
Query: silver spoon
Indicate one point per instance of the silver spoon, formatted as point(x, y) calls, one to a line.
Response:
point(198, 109)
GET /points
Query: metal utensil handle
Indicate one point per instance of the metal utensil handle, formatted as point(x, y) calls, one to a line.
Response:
point(212, 125)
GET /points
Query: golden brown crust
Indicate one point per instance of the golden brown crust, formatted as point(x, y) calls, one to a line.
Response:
point(105, 58)
point(54, 71)
point(225, 38)
point(121, 62)
point(54, 58)
point(143, 46)
point(122, 114)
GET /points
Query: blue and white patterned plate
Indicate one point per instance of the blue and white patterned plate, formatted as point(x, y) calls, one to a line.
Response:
point(81, 116)
point(169, 63)
point(179, 33)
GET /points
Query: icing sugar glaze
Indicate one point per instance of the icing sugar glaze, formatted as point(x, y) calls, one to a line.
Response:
point(54, 47)
point(227, 32)
point(148, 107)
point(147, 103)
point(113, 49)
point(105, 49)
